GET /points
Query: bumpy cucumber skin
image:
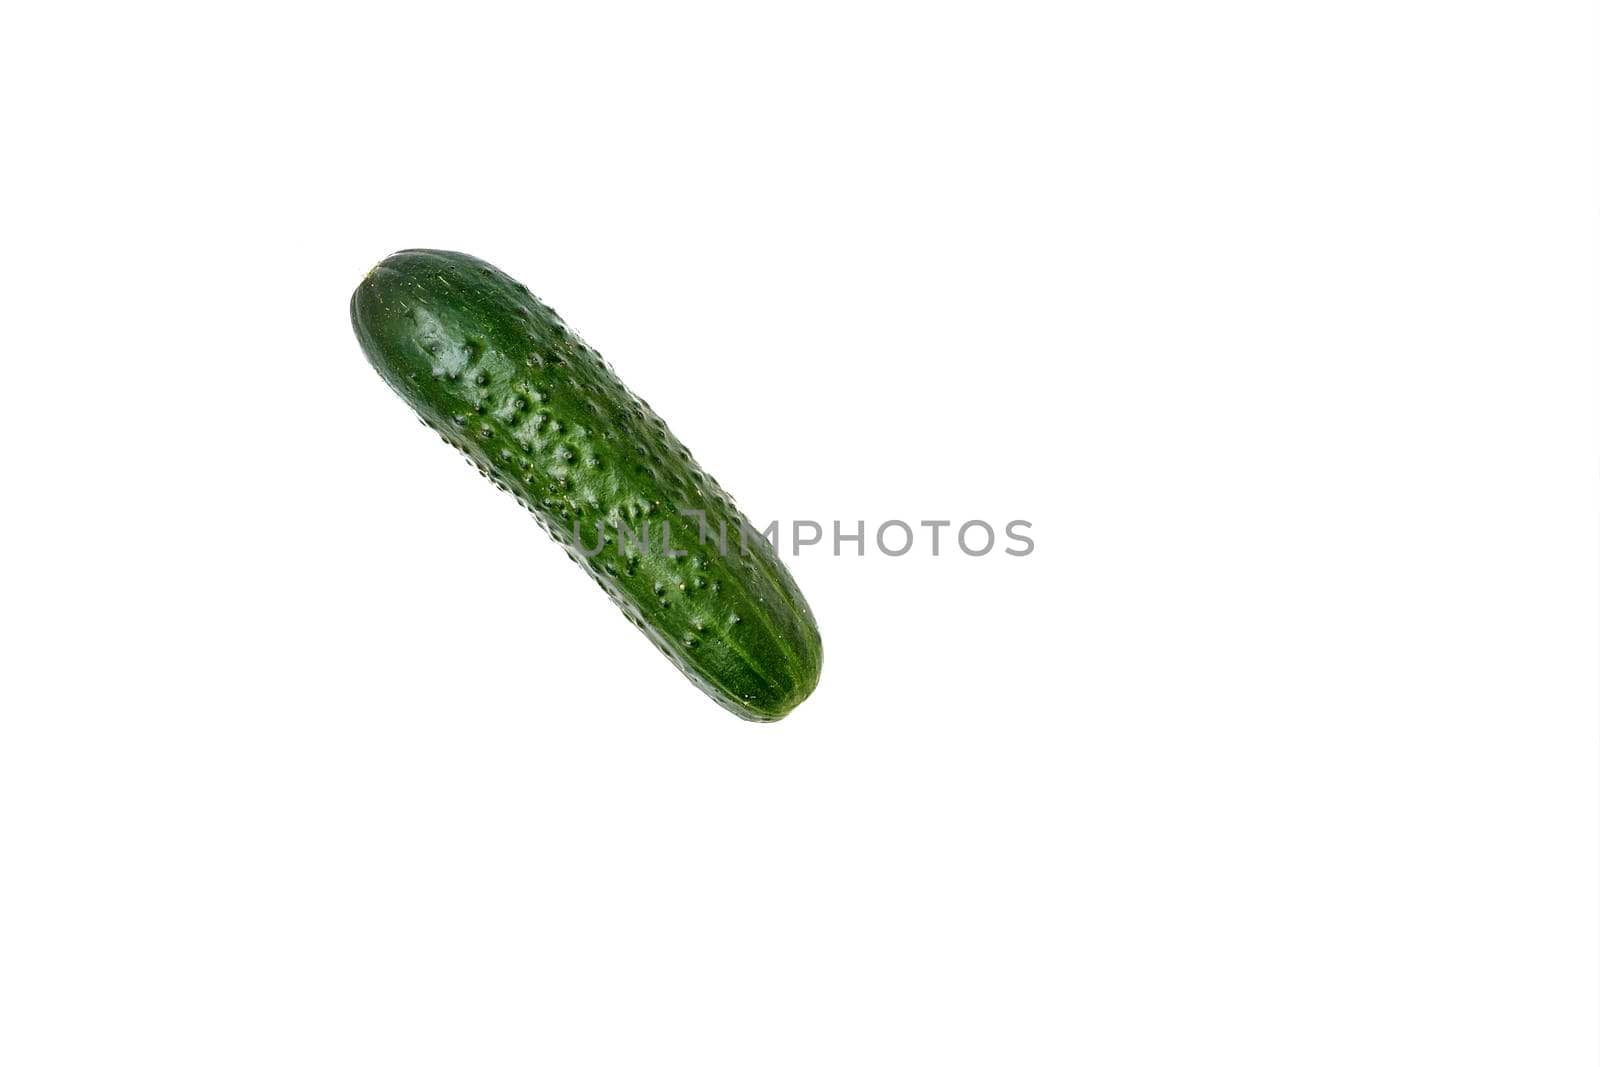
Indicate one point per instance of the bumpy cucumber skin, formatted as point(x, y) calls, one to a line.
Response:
point(498, 375)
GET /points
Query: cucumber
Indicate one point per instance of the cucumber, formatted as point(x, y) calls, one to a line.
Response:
point(498, 375)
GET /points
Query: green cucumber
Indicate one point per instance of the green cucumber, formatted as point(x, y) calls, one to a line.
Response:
point(498, 375)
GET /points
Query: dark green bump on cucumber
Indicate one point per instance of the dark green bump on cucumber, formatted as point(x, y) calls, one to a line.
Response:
point(500, 377)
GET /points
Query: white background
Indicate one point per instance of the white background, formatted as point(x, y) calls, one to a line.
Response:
point(1276, 320)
